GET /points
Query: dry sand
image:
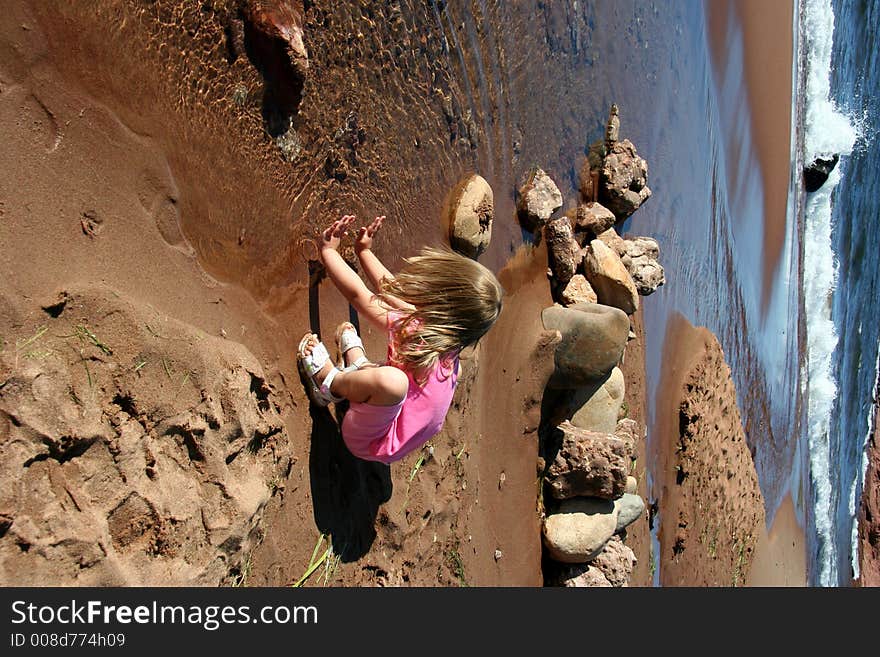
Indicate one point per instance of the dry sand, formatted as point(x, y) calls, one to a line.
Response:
point(108, 175)
point(712, 529)
point(126, 168)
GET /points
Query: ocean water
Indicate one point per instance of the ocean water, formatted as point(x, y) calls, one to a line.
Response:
point(839, 98)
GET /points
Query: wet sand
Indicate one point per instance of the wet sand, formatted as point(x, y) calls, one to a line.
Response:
point(780, 558)
point(768, 51)
point(638, 534)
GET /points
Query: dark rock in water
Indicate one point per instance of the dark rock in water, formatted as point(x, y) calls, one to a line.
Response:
point(270, 34)
point(817, 173)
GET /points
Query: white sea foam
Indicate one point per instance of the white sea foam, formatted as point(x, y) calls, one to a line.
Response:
point(826, 131)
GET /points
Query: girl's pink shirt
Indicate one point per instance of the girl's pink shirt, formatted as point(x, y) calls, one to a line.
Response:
point(421, 417)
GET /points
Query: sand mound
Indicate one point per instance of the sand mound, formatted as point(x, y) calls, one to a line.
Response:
point(134, 449)
point(711, 507)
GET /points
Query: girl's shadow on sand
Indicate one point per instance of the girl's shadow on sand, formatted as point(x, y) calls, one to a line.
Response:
point(346, 491)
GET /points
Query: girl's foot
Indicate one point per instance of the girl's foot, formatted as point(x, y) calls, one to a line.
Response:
point(313, 358)
point(350, 347)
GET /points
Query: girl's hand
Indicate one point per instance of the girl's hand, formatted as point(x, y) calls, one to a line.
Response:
point(364, 239)
point(334, 233)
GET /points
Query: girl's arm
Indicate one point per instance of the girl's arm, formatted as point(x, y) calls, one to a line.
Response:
point(345, 279)
point(374, 269)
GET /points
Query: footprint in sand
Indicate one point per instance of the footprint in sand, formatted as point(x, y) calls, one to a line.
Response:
point(32, 117)
point(158, 196)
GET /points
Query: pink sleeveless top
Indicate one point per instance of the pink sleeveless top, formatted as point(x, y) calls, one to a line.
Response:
point(388, 433)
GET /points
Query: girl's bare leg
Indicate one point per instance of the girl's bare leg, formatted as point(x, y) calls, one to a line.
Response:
point(379, 385)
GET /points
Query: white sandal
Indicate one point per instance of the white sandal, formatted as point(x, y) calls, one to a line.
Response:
point(347, 339)
point(312, 364)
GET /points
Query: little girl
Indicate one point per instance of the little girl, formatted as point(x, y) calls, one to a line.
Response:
point(436, 306)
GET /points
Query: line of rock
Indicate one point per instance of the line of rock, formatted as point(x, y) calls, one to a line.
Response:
point(596, 278)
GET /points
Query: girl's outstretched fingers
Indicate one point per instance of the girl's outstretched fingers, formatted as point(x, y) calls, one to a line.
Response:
point(334, 233)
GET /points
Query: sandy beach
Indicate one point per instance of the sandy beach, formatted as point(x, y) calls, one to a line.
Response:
point(703, 464)
point(157, 225)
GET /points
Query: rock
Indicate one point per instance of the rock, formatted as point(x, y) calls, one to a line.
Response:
point(599, 407)
point(615, 562)
point(587, 464)
point(596, 155)
point(579, 529)
point(623, 182)
point(580, 576)
point(588, 182)
point(629, 508)
point(639, 256)
point(471, 217)
point(279, 21)
point(612, 128)
point(612, 240)
point(532, 376)
point(628, 431)
point(593, 340)
point(564, 252)
point(632, 485)
point(578, 290)
point(817, 172)
point(608, 276)
point(594, 218)
point(539, 198)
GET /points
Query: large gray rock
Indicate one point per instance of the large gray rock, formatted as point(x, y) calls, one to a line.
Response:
point(580, 576)
point(579, 530)
point(615, 562)
point(563, 251)
point(629, 508)
point(588, 464)
point(472, 211)
point(623, 183)
point(639, 255)
point(539, 198)
point(599, 407)
point(606, 273)
point(593, 339)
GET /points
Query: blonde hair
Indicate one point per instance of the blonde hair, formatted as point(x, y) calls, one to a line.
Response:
point(456, 299)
